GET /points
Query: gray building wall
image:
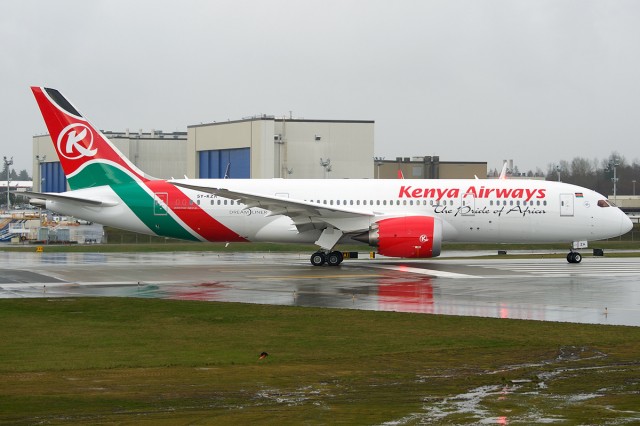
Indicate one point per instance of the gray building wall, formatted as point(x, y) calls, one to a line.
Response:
point(158, 154)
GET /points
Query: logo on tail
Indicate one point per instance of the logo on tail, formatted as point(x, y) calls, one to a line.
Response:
point(79, 142)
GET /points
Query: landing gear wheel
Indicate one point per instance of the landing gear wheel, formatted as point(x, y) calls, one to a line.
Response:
point(334, 258)
point(574, 257)
point(318, 258)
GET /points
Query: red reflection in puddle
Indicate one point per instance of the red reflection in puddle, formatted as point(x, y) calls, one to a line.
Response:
point(207, 292)
point(410, 296)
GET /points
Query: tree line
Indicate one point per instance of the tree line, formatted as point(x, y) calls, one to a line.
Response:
point(22, 175)
point(594, 174)
point(599, 174)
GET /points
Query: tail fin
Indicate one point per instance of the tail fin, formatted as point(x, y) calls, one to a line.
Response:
point(86, 155)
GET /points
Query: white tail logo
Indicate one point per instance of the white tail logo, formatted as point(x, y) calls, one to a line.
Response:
point(73, 149)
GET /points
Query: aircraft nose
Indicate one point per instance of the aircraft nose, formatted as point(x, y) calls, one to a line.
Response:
point(625, 225)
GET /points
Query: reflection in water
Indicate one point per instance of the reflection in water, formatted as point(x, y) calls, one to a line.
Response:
point(204, 292)
point(409, 296)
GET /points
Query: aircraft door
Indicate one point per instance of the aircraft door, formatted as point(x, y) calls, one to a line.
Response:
point(160, 199)
point(566, 204)
point(468, 205)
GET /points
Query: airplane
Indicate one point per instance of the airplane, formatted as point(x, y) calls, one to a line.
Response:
point(404, 218)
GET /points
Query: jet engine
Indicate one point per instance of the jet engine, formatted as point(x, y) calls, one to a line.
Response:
point(409, 236)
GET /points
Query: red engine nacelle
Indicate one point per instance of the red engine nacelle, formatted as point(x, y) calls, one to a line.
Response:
point(411, 236)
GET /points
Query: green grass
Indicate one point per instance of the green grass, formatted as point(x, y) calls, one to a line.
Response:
point(177, 362)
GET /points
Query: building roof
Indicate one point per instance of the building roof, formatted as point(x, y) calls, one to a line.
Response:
point(286, 120)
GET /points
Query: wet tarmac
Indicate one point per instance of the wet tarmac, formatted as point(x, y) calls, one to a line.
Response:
point(600, 290)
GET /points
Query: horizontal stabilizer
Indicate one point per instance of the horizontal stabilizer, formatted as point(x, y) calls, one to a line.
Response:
point(65, 198)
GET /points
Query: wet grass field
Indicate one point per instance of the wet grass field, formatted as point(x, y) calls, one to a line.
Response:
point(177, 362)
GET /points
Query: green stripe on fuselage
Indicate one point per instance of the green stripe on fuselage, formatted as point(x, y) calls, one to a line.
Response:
point(133, 195)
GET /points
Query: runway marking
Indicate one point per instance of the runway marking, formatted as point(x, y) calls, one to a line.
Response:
point(421, 271)
point(613, 268)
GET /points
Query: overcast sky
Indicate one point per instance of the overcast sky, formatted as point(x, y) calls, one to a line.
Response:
point(533, 81)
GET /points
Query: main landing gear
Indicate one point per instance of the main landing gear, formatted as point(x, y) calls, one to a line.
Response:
point(333, 258)
point(574, 257)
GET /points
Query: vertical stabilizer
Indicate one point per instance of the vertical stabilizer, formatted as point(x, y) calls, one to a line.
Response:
point(86, 155)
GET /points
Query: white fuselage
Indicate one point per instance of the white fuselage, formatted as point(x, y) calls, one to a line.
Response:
point(470, 210)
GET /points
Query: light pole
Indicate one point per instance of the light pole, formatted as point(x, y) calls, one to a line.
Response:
point(7, 164)
point(634, 187)
point(615, 165)
point(40, 161)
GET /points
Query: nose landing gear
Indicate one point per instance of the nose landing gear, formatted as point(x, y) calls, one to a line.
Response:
point(574, 257)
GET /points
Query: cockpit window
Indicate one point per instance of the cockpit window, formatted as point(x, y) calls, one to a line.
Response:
point(603, 203)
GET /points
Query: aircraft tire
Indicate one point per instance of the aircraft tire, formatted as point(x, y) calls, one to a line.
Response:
point(334, 258)
point(574, 257)
point(318, 258)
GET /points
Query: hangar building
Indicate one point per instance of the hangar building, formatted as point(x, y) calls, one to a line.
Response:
point(256, 147)
point(266, 147)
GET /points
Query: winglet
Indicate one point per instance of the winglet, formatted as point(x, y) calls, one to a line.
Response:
point(503, 173)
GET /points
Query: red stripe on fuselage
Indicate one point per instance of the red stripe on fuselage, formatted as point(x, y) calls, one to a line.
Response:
point(192, 215)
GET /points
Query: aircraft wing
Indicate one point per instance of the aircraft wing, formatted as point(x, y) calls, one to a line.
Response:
point(306, 215)
point(44, 196)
